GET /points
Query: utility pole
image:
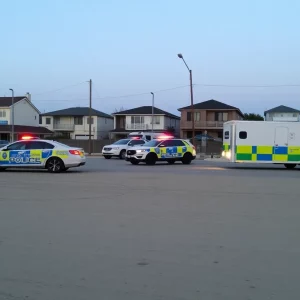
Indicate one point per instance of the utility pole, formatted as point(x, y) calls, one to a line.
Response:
point(12, 115)
point(90, 119)
point(152, 109)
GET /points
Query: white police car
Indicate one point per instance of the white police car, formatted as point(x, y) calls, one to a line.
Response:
point(36, 153)
point(119, 148)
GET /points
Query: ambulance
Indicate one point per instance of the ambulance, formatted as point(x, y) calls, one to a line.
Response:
point(262, 142)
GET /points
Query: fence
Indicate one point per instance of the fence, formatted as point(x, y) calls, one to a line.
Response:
point(211, 147)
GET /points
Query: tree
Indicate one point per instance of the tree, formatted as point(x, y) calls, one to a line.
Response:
point(253, 117)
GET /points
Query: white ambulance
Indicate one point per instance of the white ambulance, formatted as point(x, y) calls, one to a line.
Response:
point(262, 142)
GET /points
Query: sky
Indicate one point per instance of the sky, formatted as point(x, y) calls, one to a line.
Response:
point(244, 53)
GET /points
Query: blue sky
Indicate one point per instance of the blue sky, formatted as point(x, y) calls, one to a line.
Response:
point(130, 47)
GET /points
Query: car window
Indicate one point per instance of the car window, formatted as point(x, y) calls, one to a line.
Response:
point(148, 137)
point(121, 142)
point(178, 143)
point(36, 145)
point(152, 143)
point(17, 146)
point(166, 143)
point(137, 142)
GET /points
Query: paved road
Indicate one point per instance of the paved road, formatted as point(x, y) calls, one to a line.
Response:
point(115, 231)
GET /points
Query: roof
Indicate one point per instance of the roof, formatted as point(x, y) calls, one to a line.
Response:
point(146, 110)
point(77, 111)
point(7, 101)
point(281, 109)
point(211, 104)
point(25, 129)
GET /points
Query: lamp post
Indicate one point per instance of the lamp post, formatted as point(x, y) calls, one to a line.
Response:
point(192, 98)
point(12, 115)
point(152, 109)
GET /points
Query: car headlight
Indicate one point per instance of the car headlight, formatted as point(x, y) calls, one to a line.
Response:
point(140, 150)
point(116, 148)
point(228, 154)
point(223, 153)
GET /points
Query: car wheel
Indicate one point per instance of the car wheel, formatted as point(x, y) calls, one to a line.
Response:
point(122, 154)
point(171, 162)
point(290, 166)
point(107, 156)
point(151, 159)
point(55, 165)
point(135, 162)
point(187, 158)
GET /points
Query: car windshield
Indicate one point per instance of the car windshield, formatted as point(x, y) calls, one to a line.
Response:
point(121, 142)
point(152, 143)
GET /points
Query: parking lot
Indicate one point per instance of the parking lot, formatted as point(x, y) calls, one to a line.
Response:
point(111, 230)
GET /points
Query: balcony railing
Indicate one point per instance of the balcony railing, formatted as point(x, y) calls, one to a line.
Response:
point(137, 126)
point(64, 127)
point(202, 124)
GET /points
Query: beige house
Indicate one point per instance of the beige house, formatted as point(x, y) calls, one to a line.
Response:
point(209, 118)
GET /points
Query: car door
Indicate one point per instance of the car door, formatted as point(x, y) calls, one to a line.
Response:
point(172, 149)
point(13, 155)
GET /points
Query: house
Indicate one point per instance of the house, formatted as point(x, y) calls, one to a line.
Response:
point(140, 119)
point(282, 114)
point(209, 117)
point(25, 113)
point(73, 123)
point(26, 118)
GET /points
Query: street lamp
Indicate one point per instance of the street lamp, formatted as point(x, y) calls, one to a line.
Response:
point(152, 109)
point(12, 115)
point(192, 97)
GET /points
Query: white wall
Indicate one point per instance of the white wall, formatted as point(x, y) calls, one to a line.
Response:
point(104, 125)
point(25, 114)
point(283, 117)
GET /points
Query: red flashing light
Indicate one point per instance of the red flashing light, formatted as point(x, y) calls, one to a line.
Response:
point(75, 152)
point(135, 138)
point(27, 137)
point(165, 137)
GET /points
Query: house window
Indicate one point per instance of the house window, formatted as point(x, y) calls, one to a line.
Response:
point(137, 120)
point(40, 120)
point(105, 121)
point(48, 121)
point(88, 120)
point(197, 116)
point(156, 120)
point(294, 115)
point(2, 113)
point(221, 116)
point(78, 120)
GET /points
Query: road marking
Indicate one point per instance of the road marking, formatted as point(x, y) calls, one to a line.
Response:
point(209, 168)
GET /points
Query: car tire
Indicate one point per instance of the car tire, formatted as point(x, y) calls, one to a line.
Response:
point(135, 162)
point(187, 158)
point(107, 156)
point(55, 165)
point(290, 166)
point(122, 154)
point(151, 159)
point(171, 162)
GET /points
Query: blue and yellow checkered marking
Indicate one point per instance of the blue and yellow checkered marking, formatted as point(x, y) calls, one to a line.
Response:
point(267, 153)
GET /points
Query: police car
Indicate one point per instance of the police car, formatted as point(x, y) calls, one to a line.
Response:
point(162, 149)
point(36, 153)
point(119, 148)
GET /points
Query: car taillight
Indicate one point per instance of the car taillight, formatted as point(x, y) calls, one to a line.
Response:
point(75, 152)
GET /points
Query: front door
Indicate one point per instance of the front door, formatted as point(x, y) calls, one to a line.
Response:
point(281, 142)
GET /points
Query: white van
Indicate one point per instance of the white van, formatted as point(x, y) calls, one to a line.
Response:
point(262, 142)
point(147, 135)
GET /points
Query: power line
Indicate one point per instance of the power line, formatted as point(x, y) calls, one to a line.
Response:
point(65, 87)
point(249, 86)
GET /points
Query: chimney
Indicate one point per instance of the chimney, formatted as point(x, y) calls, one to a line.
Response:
point(28, 96)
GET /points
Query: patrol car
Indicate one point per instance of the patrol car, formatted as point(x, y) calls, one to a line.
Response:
point(162, 149)
point(36, 153)
point(119, 148)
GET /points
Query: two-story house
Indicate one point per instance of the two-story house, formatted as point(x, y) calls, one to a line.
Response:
point(140, 119)
point(73, 123)
point(282, 114)
point(23, 114)
point(209, 117)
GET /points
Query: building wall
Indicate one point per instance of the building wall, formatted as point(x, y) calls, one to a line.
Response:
point(283, 117)
point(104, 125)
point(7, 116)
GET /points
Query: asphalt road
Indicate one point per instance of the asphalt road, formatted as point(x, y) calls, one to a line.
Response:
point(111, 230)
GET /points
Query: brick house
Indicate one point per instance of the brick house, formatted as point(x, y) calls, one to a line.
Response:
point(209, 117)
